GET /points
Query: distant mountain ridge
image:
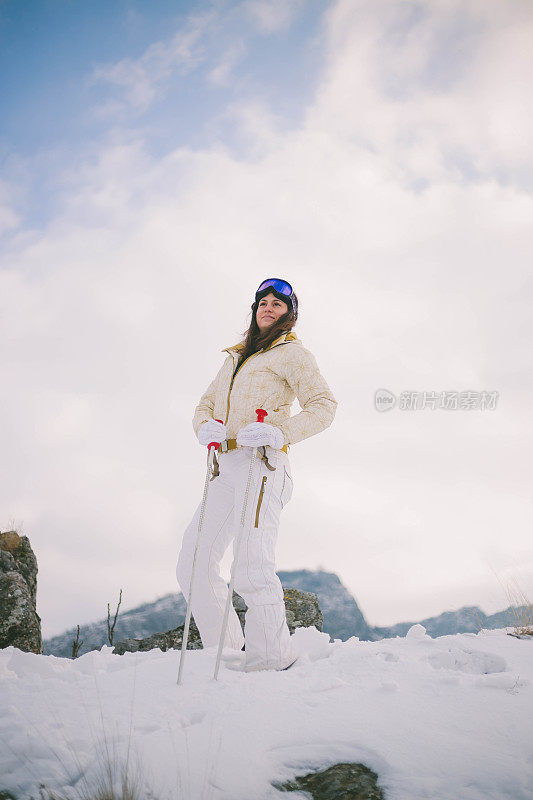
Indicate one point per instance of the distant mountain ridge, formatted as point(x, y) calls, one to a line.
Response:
point(161, 615)
point(342, 617)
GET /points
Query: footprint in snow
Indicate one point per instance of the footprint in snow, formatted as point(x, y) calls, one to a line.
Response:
point(469, 661)
point(386, 655)
point(192, 719)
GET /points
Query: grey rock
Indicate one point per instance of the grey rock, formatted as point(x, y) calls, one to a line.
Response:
point(20, 625)
point(346, 781)
point(7, 562)
point(301, 608)
point(170, 640)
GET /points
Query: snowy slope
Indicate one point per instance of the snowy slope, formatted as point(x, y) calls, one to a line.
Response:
point(437, 719)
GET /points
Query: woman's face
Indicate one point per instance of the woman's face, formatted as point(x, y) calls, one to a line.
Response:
point(269, 310)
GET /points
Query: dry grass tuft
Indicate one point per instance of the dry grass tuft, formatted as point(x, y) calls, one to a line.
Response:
point(116, 780)
point(10, 541)
point(522, 610)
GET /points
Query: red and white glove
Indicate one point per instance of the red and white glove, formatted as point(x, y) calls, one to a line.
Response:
point(257, 434)
point(211, 431)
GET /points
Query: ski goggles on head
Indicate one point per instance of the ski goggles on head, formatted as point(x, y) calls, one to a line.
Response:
point(280, 287)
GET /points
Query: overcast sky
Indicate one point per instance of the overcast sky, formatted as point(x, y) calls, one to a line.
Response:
point(158, 160)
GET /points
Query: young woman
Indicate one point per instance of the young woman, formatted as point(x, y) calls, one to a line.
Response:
point(268, 369)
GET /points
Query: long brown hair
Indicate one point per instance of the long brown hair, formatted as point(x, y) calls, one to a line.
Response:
point(254, 340)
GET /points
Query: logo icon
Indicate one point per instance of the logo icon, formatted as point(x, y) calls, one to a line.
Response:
point(384, 400)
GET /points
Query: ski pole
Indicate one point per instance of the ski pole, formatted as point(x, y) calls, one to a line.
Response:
point(261, 414)
point(211, 447)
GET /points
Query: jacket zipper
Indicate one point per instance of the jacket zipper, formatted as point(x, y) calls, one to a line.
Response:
point(227, 405)
point(261, 493)
point(230, 387)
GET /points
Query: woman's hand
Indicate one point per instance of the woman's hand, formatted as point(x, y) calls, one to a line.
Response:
point(211, 431)
point(257, 434)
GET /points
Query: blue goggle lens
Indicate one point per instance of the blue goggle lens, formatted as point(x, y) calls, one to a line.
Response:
point(280, 286)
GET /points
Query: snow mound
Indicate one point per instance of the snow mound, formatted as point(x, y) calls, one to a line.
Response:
point(416, 632)
point(311, 643)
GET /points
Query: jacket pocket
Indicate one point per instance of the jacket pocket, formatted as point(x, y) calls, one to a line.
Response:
point(286, 488)
point(260, 500)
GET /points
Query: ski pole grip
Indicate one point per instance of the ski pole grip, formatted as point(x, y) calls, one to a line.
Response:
point(261, 414)
point(214, 444)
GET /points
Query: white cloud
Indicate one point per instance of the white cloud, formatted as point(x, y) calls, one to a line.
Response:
point(271, 16)
point(142, 80)
point(222, 73)
point(9, 219)
point(409, 275)
point(383, 86)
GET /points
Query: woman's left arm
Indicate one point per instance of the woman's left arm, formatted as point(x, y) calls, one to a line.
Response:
point(301, 372)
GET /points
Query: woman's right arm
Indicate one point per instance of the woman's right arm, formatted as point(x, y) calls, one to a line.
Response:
point(205, 408)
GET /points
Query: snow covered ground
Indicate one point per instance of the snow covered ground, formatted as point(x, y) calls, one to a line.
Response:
point(438, 719)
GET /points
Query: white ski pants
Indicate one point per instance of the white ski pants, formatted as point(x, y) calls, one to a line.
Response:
point(268, 641)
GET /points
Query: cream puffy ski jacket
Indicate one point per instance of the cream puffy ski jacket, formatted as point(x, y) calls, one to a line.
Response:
point(269, 379)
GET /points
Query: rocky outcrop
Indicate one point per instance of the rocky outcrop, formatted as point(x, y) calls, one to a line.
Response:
point(170, 640)
point(301, 608)
point(346, 781)
point(20, 625)
point(342, 616)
